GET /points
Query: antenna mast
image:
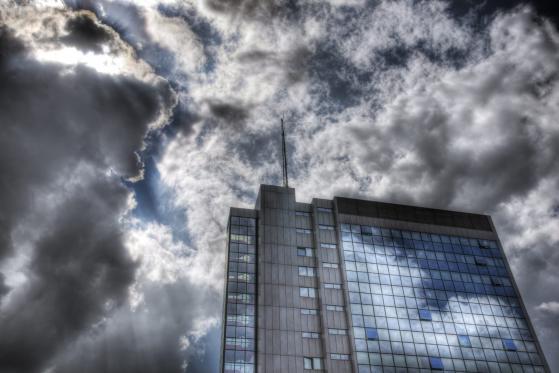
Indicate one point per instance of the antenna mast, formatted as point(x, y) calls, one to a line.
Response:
point(284, 157)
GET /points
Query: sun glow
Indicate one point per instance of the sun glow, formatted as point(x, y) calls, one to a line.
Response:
point(71, 56)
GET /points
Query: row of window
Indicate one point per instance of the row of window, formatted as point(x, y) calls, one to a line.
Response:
point(463, 340)
point(319, 209)
point(311, 292)
point(236, 247)
point(440, 252)
point(332, 331)
point(320, 226)
point(386, 361)
point(239, 356)
point(311, 335)
point(238, 368)
point(305, 251)
point(240, 343)
point(314, 363)
point(394, 267)
point(401, 286)
point(307, 271)
point(417, 244)
point(448, 336)
point(309, 251)
point(332, 286)
point(398, 255)
point(310, 271)
point(376, 270)
point(451, 298)
point(462, 263)
point(242, 257)
point(239, 229)
point(241, 277)
point(242, 267)
point(236, 220)
point(329, 307)
point(423, 236)
point(241, 238)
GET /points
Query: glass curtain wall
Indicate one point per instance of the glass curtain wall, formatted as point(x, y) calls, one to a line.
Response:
point(435, 302)
point(240, 313)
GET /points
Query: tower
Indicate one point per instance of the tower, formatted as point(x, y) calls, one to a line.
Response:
point(349, 285)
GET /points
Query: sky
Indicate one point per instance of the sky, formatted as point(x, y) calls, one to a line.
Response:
point(128, 129)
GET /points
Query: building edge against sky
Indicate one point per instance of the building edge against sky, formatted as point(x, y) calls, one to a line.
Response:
point(348, 285)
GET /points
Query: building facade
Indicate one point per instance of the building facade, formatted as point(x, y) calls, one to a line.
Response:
point(347, 285)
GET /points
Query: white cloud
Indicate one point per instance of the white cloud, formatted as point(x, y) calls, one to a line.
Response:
point(480, 137)
point(175, 34)
point(550, 307)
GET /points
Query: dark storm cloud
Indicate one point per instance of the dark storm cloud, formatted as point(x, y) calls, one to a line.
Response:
point(62, 131)
point(261, 10)
point(80, 266)
point(3, 288)
point(147, 340)
point(85, 33)
point(229, 112)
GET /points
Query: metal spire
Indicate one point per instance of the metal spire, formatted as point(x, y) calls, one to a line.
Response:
point(284, 157)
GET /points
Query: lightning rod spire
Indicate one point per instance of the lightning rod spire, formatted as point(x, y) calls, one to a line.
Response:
point(284, 157)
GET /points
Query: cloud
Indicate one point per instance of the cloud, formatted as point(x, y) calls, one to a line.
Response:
point(550, 307)
point(165, 316)
point(461, 120)
point(85, 34)
point(397, 101)
point(69, 136)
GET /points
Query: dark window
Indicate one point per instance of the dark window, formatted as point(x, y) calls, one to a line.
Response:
point(464, 341)
point(425, 315)
point(436, 363)
point(480, 261)
point(509, 345)
point(371, 333)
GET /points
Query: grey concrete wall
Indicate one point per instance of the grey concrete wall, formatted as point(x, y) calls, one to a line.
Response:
point(280, 345)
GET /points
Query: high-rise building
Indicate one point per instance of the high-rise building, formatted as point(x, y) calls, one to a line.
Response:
point(349, 285)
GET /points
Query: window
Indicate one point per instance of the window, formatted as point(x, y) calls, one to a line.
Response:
point(483, 244)
point(339, 357)
point(305, 251)
point(425, 315)
point(312, 363)
point(302, 213)
point(509, 345)
point(480, 261)
point(324, 209)
point(306, 271)
point(332, 286)
point(496, 281)
point(304, 231)
point(334, 308)
point(307, 292)
point(436, 363)
point(464, 341)
point(371, 334)
point(330, 265)
point(310, 335)
point(308, 311)
point(326, 227)
point(328, 245)
point(337, 331)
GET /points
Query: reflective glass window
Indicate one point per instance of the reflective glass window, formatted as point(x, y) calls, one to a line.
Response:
point(436, 363)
